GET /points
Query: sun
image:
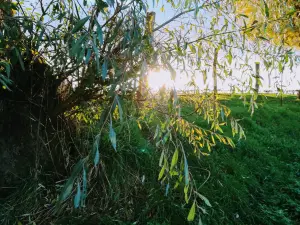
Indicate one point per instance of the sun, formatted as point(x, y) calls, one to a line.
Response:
point(157, 79)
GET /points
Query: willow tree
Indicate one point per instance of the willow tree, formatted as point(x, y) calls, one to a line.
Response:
point(281, 20)
point(96, 51)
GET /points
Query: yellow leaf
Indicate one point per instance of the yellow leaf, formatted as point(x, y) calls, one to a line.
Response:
point(174, 159)
point(3, 87)
point(192, 212)
point(161, 173)
point(162, 9)
point(186, 188)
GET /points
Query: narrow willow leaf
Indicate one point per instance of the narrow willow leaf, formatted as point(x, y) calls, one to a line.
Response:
point(88, 56)
point(161, 173)
point(204, 199)
point(186, 172)
point(80, 24)
point(200, 221)
point(100, 33)
point(266, 9)
point(76, 47)
point(112, 136)
point(96, 158)
point(167, 189)
point(120, 109)
point(104, 69)
point(174, 159)
point(161, 157)
point(77, 196)
point(96, 150)
point(192, 212)
point(67, 189)
point(186, 197)
point(84, 187)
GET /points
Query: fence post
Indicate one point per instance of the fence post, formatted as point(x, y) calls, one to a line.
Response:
point(257, 77)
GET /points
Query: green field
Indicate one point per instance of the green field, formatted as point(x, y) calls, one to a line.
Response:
point(258, 182)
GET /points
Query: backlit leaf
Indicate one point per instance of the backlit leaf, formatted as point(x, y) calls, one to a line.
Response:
point(192, 212)
point(174, 159)
point(161, 173)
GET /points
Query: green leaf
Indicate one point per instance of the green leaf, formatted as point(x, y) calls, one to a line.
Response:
point(80, 24)
point(97, 157)
point(192, 212)
point(100, 33)
point(263, 38)
point(167, 189)
point(161, 157)
point(112, 136)
point(186, 171)
point(77, 196)
point(229, 57)
point(104, 69)
point(88, 56)
point(84, 187)
point(174, 159)
point(186, 197)
point(96, 150)
point(266, 9)
point(161, 173)
point(76, 48)
point(200, 221)
point(204, 199)
point(67, 189)
point(120, 109)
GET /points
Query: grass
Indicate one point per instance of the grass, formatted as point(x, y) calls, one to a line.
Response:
point(258, 182)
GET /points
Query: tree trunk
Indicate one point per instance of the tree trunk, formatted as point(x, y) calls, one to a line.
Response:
point(215, 79)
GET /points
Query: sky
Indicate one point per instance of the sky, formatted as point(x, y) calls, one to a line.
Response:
point(290, 79)
point(157, 79)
